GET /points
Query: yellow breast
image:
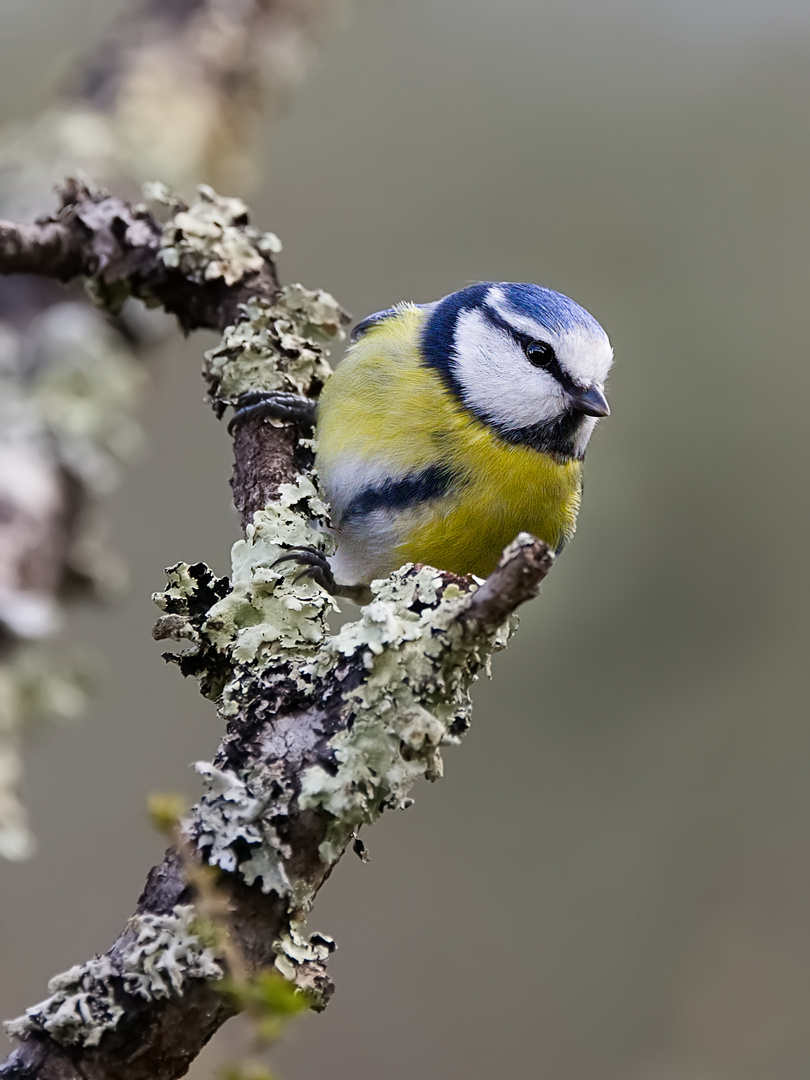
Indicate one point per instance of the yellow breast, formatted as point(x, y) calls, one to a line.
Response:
point(509, 490)
point(383, 414)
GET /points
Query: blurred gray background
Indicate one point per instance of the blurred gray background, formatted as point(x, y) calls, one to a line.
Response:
point(612, 882)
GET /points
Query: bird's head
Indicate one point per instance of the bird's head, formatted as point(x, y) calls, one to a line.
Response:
point(525, 360)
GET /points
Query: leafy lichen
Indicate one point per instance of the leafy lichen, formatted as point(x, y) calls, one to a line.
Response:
point(267, 610)
point(211, 239)
point(82, 1006)
point(230, 817)
point(419, 663)
point(276, 346)
point(415, 699)
point(166, 951)
point(265, 613)
point(301, 959)
point(86, 1001)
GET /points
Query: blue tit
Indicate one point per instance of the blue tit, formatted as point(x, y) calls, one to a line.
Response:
point(451, 427)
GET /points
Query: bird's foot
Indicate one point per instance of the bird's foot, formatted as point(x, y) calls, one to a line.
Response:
point(275, 404)
point(315, 565)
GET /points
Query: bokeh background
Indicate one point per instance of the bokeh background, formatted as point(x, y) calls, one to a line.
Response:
point(612, 882)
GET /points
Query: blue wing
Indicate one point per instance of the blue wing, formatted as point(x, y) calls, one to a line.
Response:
point(378, 317)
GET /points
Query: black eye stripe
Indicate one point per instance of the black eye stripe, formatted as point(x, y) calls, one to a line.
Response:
point(546, 361)
point(551, 365)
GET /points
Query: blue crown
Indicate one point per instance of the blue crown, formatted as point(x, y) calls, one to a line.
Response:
point(556, 312)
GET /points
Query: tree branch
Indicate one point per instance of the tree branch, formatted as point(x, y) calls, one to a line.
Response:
point(323, 732)
point(123, 250)
point(46, 248)
point(173, 89)
point(524, 565)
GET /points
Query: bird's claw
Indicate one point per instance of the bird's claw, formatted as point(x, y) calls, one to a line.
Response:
point(315, 565)
point(275, 404)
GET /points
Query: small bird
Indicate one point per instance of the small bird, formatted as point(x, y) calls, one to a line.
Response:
point(448, 429)
point(451, 427)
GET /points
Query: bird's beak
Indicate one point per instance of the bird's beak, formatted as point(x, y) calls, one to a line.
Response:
point(592, 402)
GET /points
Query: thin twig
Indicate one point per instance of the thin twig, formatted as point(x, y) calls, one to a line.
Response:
point(46, 248)
point(517, 579)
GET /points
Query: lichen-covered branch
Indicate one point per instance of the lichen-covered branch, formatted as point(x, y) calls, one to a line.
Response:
point(198, 267)
point(323, 732)
point(173, 89)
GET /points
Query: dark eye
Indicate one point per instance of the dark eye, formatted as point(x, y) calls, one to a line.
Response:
point(540, 353)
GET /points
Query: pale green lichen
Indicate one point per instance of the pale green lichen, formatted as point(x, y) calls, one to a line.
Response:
point(81, 1008)
point(85, 1002)
point(267, 609)
point(228, 816)
point(265, 613)
point(267, 625)
point(211, 240)
point(419, 661)
point(301, 958)
point(278, 345)
point(166, 952)
point(420, 665)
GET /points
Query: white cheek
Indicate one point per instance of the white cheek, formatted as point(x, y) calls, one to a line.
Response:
point(585, 358)
point(496, 379)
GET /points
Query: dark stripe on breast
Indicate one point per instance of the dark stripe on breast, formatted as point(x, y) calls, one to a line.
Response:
point(431, 483)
